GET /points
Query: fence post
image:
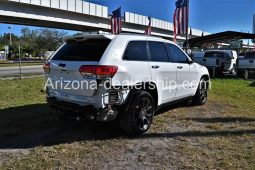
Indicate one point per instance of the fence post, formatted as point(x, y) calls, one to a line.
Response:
point(19, 64)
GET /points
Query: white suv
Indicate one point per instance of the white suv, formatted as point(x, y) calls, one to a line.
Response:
point(124, 77)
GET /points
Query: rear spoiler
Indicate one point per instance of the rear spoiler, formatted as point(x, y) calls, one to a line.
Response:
point(89, 36)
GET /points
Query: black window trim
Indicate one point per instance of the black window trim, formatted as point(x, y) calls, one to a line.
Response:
point(123, 55)
point(249, 55)
point(149, 53)
point(66, 43)
point(169, 56)
point(173, 61)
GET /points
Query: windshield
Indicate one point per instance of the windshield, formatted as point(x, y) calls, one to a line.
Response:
point(89, 50)
point(250, 55)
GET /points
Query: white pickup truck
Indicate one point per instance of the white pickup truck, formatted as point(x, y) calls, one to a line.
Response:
point(246, 65)
point(198, 56)
point(223, 61)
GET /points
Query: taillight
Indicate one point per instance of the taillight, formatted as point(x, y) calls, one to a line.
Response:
point(94, 71)
point(46, 68)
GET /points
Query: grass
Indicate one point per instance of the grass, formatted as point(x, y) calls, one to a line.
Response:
point(24, 76)
point(23, 106)
point(16, 93)
point(239, 94)
point(219, 135)
point(4, 61)
point(17, 64)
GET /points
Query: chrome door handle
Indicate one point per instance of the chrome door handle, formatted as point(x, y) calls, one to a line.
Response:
point(180, 67)
point(155, 67)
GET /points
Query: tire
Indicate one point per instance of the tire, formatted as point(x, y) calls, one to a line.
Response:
point(234, 71)
point(201, 95)
point(139, 113)
point(239, 73)
point(246, 74)
point(221, 70)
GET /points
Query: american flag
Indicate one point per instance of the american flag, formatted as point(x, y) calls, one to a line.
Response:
point(116, 21)
point(181, 18)
point(148, 30)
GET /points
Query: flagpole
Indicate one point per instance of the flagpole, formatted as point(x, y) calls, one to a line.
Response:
point(187, 29)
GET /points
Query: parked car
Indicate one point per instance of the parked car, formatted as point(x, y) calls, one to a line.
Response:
point(223, 61)
point(128, 71)
point(246, 65)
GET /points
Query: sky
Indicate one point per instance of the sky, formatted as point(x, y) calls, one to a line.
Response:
point(208, 15)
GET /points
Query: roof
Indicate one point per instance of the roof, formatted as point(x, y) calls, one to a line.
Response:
point(90, 36)
point(230, 52)
point(111, 36)
point(222, 37)
point(220, 50)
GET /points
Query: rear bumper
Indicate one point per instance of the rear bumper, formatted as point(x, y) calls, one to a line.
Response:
point(100, 114)
point(223, 68)
point(54, 103)
point(246, 68)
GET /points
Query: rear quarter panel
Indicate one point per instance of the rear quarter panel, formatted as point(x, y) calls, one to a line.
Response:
point(129, 72)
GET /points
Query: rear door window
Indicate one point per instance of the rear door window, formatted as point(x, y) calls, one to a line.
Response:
point(214, 55)
point(227, 56)
point(175, 54)
point(136, 51)
point(89, 50)
point(250, 55)
point(158, 52)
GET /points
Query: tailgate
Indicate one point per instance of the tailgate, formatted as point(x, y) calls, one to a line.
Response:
point(210, 62)
point(69, 81)
point(65, 66)
point(247, 63)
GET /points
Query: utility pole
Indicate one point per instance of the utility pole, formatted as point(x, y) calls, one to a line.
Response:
point(10, 28)
point(187, 29)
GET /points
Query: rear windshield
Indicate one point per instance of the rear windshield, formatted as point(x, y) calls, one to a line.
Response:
point(89, 50)
point(250, 55)
point(214, 55)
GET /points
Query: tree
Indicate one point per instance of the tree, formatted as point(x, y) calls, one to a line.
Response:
point(5, 38)
point(37, 42)
point(28, 39)
point(1, 46)
point(33, 42)
point(49, 39)
point(5, 41)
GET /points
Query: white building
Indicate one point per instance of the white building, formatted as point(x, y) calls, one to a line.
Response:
point(2, 55)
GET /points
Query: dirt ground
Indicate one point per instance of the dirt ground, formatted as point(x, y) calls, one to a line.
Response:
point(182, 137)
